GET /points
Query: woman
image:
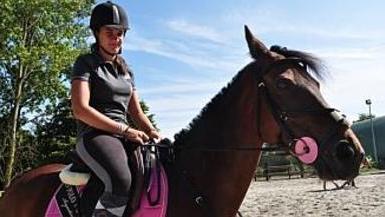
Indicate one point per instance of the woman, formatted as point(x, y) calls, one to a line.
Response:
point(103, 92)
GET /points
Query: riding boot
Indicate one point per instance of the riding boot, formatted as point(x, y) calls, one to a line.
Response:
point(110, 205)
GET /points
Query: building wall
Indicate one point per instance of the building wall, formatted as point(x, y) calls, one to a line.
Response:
point(364, 133)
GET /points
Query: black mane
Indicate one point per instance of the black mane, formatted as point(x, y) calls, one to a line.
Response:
point(210, 109)
point(316, 65)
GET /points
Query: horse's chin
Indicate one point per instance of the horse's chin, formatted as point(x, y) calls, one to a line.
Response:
point(337, 172)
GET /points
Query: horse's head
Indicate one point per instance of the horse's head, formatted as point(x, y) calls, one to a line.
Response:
point(316, 134)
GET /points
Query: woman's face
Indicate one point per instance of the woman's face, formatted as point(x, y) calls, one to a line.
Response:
point(110, 38)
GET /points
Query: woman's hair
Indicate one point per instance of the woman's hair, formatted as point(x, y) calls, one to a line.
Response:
point(122, 66)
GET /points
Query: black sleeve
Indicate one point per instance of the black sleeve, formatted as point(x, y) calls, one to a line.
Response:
point(81, 70)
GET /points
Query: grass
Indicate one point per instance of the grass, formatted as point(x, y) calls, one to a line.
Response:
point(370, 171)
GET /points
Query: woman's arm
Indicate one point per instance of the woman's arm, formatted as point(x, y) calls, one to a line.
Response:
point(140, 118)
point(80, 97)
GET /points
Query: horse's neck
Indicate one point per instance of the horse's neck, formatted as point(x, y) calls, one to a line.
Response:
point(218, 170)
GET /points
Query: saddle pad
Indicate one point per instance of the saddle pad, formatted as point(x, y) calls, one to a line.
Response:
point(65, 201)
point(159, 210)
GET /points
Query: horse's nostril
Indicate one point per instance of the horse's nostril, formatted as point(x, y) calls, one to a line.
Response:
point(344, 150)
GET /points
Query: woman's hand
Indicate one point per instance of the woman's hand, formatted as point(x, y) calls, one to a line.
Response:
point(153, 134)
point(134, 135)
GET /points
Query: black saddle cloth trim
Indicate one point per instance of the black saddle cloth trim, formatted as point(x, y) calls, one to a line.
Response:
point(68, 201)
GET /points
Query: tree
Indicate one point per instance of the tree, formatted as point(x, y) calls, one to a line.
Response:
point(39, 38)
point(364, 116)
point(146, 111)
point(55, 133)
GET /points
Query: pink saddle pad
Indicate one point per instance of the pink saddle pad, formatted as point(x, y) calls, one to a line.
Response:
point(159, 210)
point(145, 209)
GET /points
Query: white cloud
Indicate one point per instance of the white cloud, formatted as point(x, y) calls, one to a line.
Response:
point(195, 30)
point(354, 81)
point(175, 111)
point(205, 57)
point(177, 87)
point(177, 101)
point(279, 21)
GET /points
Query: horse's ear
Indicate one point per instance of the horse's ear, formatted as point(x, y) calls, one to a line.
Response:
point(256, 47)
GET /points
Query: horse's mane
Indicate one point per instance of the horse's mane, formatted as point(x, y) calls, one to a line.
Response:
point(210, 109)
point(314, 63)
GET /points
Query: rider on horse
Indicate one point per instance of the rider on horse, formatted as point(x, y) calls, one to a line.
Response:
point(103, 93)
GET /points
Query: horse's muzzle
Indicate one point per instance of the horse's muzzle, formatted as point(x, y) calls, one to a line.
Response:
point(344, 151)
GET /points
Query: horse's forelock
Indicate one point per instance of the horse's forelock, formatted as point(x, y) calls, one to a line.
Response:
point(315, 64)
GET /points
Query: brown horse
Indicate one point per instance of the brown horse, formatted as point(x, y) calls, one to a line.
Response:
point(274, 99)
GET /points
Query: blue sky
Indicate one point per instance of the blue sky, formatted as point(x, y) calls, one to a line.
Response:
point(184, 52)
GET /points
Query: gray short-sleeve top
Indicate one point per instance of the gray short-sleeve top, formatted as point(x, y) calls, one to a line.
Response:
point(110, 87)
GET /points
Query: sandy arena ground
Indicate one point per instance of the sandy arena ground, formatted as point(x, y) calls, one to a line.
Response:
point(305, 197)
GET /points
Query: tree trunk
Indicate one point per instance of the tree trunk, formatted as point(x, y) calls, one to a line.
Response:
point(13, 140)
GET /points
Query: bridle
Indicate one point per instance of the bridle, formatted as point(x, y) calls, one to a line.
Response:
point(282, 116)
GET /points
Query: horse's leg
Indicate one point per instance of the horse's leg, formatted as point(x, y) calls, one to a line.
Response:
point(336, 185)
point(349, 182)
point(29, 195)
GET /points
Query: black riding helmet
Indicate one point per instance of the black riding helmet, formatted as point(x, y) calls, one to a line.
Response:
point(108, 14)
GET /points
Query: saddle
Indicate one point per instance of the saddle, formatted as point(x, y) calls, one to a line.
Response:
point(81, 188)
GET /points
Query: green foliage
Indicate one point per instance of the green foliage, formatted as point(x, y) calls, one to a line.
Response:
point(146, 111)
point(55, 133)
point(39, 41)
point(364, 116)
point(45, 36)
point(371, 163)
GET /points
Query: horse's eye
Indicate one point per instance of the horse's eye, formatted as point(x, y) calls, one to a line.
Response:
point(302, 65)
point(283, 83)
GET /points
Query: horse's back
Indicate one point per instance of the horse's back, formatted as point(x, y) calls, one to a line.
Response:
point(29, 194)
